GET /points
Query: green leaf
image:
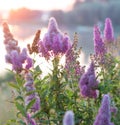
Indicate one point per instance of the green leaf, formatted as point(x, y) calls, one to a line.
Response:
point(19, 98)
point(31, 103)
point(21, 122)
point(37, 68)
point(36, 114)
point(31, 92)
point(21, 108)
point(19, 80)
point(13, 85)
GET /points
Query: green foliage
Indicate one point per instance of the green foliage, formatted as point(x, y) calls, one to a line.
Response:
point(59, 94)
point(110, 82)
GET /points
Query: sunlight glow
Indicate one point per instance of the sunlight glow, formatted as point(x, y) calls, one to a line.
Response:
point(36, 4)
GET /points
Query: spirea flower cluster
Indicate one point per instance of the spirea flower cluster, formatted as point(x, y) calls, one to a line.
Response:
point(88, 83)
point(104, 114)
point(72, 62)
point(30, 88)
point(108, 31)
point(102, 43)
point(14, 55)
point(68, 118)
point(54, 41)
point(98, 43)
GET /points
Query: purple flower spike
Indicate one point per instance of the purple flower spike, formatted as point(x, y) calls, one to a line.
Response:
point(23, 55)
point(18, 59)
point(16, 63)
point(88, 83)
point(99, 46)
point(66, 43)
point(29, 63)
point(14, 55)
point(43, 50)
point(108, 31)
point(30, 88)
point(54, 41)
point(104, 114)
point(30, 121)
point(36, 105)
point(57, 46)
point(68, 118)
point(52, 25)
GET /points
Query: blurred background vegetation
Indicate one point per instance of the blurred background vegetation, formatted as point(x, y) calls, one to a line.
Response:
point(7, 109)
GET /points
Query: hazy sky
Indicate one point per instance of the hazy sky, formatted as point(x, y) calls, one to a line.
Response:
point(36, 4)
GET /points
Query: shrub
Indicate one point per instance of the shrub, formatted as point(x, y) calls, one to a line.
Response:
point(43, 99)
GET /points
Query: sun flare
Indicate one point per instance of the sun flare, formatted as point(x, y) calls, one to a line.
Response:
point(36, 4)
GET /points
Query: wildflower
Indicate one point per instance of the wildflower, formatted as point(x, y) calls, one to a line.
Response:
point(29, 120)
point(104, 114)
point(36, 105)
point(110, 44)
point(99, 46)
point(79, 70)
point(30, 88)
point(23, 55)
point(14, 55)
point(16, 62)
point(66, 43)
point(29, 63)
point(54, 41)
point(43, 50)
point(88, 83)
point(72, 65)
point(68, 118)
point(108, 31)
point(35, 46)
point(10, 42)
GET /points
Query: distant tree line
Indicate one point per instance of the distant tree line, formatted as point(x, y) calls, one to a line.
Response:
point(90, 13)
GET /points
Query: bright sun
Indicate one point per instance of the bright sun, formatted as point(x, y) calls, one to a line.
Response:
point(36, 4)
